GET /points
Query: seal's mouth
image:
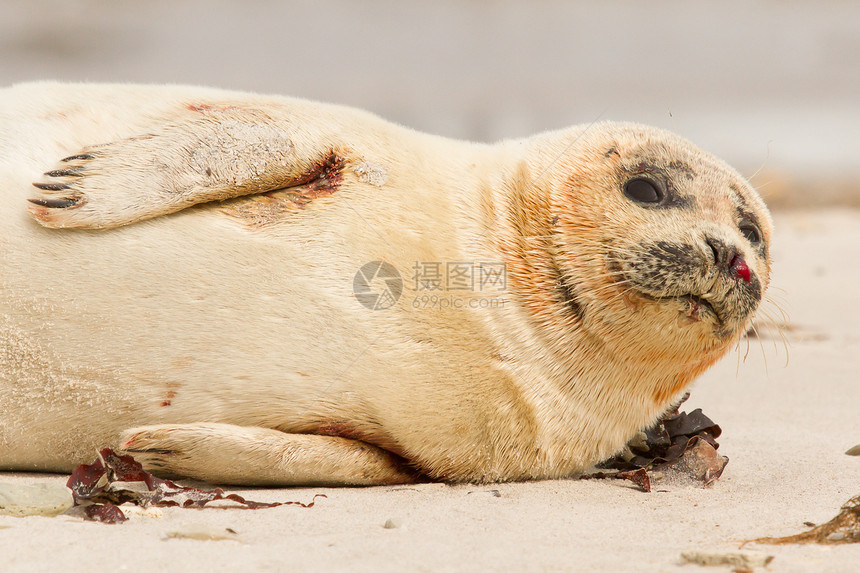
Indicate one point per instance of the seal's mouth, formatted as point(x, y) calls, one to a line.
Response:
point(693, 306)
point(698, 306)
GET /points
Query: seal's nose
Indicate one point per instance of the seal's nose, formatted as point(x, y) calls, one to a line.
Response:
point(722, 252)
point(728, 259)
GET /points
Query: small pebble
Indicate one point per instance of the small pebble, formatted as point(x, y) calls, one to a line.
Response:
point(855, 451)
point(392, 523)
point(47, 499)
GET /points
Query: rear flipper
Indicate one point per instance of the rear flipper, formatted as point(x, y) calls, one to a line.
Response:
point(223, 453)
point(211, 153)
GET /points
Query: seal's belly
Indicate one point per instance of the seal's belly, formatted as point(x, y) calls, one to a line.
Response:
point(201, 317)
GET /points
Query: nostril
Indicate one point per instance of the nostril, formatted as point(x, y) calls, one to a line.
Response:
point(718, 249)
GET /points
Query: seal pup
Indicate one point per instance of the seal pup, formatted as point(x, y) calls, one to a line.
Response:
point(181, 278)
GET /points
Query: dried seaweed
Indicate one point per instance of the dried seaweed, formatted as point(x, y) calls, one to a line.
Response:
point(111, 480)
point(844, 528)
point(104, 512)
point(679, 441)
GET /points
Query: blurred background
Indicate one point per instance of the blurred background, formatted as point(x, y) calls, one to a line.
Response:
point(771, 86)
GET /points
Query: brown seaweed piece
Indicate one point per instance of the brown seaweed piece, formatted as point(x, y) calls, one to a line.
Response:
point(104, 512)
point(681, 441)
point(111, 480)
point(844, 528)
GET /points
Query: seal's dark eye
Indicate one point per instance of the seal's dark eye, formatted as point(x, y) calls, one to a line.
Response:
point(751, 232)
point(643, 190)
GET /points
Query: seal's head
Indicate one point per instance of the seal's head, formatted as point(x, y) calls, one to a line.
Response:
point(659, 250)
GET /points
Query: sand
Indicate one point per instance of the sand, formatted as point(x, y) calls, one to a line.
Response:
point(786, 428)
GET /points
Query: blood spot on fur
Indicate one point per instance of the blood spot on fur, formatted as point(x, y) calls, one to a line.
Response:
point(320, 181)
point(171, 394)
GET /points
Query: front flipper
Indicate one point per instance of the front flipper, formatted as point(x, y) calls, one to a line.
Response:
point(223, 453)
point(213, 153)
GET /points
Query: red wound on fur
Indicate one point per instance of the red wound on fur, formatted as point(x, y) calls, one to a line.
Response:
point(740, 269)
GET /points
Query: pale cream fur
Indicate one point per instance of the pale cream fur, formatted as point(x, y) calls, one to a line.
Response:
point(215, 341)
